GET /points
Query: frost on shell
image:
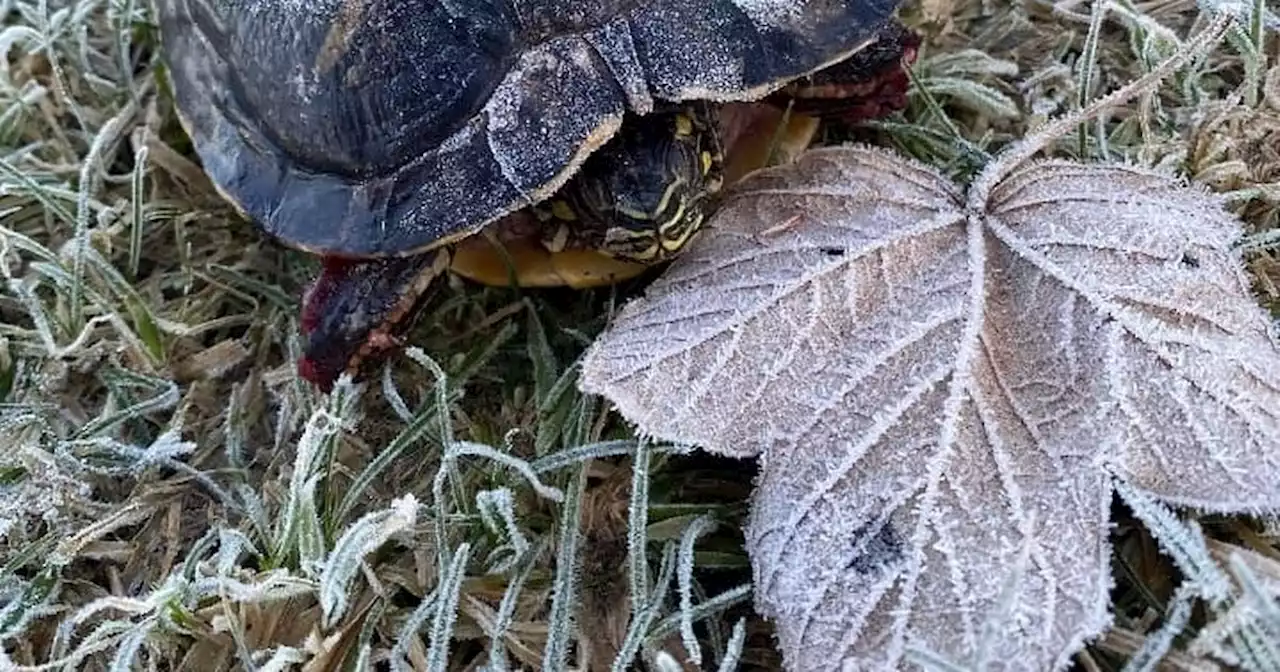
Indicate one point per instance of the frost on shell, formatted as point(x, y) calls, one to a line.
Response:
point(771, 12)
point(942, 386)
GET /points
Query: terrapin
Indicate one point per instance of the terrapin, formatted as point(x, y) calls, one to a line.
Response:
point(592, 134)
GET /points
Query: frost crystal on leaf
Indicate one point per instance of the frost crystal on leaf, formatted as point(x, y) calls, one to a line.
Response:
point(941, 389)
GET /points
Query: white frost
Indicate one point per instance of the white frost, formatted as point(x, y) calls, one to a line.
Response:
point(771, 12)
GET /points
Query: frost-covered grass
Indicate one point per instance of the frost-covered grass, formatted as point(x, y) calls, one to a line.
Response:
point(172, 497)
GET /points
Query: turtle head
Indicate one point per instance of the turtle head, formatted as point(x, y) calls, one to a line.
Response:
point(642, 196)
point(357, 311)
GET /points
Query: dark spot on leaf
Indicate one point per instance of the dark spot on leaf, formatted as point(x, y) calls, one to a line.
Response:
point(883, 549)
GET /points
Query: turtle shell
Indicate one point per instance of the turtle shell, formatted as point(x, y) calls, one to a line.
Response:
point(366, 128)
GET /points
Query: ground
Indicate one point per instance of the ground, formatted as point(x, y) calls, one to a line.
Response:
point(171, 491)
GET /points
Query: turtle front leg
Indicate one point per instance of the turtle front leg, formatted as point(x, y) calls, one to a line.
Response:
point(870, 84)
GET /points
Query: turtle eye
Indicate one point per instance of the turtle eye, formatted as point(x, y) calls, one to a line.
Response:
point(684, 125)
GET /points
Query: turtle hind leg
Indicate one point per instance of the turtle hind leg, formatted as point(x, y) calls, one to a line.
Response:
point(356, 312)
point(868, 85)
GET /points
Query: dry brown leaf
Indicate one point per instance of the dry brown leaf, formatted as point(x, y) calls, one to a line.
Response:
point(941, 387)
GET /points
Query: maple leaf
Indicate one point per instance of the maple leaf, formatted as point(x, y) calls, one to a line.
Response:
point(943, 387)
